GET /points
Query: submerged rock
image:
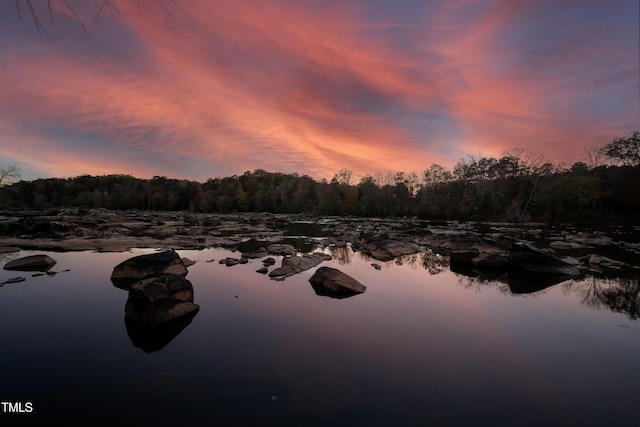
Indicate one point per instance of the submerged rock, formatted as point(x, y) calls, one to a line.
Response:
point(524, 256)
point(334, 283)
point(31, 263)
point(144, 266)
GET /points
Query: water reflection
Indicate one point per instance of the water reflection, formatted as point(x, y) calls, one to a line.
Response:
point(619, 294)
point(159, 307)
point(155, 338)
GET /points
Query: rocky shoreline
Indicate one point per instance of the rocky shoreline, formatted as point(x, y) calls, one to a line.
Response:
point(482, 245)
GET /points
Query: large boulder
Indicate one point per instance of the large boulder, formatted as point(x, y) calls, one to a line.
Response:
point(388, 249)
point(526, 257)
point(31, 263)
point(296, 264)
point(160, 300)
point(144, 266)
point(334, 283)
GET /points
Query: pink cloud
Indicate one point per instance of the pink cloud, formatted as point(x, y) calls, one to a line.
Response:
point(222, 87)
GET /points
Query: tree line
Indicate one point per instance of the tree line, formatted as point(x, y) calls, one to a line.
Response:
point(519, 186)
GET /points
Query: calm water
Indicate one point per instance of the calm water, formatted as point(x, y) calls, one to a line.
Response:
point(422, 346)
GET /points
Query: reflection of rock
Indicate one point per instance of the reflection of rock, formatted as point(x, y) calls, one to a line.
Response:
point(31, 263)
point(388, 249)
point(333, 283)
point(482, 273)
point(145, 266)
point(262, 252)
point(521, 282)
point(152, 339)
point(158, 309)
point(296, 264)
point(527, 257)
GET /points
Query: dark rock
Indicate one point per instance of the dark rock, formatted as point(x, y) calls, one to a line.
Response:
point(262, 270)
point(268, 261)
point(31, 263)
point(463, 255)
point(187, 262)
point(282, 272)
point(243, 260)
point(155, 301)
point(388, 249)
point(376, 266)
point(144, 266)
point(13, 280)
point(229, 262)
point(526, 257)
point(330, 282)
point(491, 258)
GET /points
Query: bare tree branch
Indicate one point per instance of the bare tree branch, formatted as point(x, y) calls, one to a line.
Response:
point(9, 174)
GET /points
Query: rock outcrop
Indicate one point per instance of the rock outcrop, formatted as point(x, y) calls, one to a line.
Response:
point(31, 263)
point(327, 281)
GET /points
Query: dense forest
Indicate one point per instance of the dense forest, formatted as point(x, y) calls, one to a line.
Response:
point(520, 186)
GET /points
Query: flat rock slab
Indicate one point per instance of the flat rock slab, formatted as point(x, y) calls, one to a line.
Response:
point(388, 249)
point(601, 263)
point(31, 263)
point(145, 266)
point(297, 264)
point(327, 281)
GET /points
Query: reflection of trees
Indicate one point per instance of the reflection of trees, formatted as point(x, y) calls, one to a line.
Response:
point(434, 263)
point(410, 260)
point(620, 295)
point(479, 281)
point(623, 298)
point(342, 255)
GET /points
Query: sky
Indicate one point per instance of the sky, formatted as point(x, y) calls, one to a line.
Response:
point(196, 89)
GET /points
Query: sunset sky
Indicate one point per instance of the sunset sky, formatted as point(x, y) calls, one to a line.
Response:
point(203, 88)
